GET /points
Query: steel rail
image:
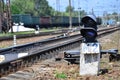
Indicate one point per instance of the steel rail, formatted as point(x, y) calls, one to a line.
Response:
point(44, 41)
point(42, 53)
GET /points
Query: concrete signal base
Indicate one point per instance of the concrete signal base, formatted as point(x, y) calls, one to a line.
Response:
point(89, 58)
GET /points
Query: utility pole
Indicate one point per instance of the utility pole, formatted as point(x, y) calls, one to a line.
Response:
point(118, 10)
point(1, 10)
point(79, 15)
point(2, 7)
point(70, 16)
point(57, 6)
point(79, 12)
point(9, 16)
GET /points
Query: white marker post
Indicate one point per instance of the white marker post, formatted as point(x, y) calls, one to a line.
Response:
point(89, 58)
point(14, 40)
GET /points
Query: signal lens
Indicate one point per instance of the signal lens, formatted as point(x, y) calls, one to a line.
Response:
point(90, 34)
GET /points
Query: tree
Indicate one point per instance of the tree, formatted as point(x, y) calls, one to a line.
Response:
point(18, 6)
point(115, 16)
point(74, 12)
point(42, 8)
point(68, 8)
point(83, 13)
point(34, 7)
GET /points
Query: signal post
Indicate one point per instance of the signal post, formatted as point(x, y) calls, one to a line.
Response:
point(90, 48)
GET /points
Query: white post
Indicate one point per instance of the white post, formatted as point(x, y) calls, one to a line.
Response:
point(89, 58)
point(37, 29)
point(14, 40)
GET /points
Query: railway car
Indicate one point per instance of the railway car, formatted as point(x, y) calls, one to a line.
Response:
point(35, 20)
point(75, 21)
point(65, 21)
point(59, 21)
point(27, 19)
point(31, 21)
point(24, 18)
point(44, 22)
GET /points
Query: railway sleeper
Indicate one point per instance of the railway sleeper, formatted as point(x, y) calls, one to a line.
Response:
point(29, 61)
point(36, 59)
point(48, 55)
point(22, 65)
point(4, 70)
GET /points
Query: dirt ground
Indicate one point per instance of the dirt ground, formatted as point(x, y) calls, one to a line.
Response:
point(62, 70)
point(4, 44)
point(8, 43)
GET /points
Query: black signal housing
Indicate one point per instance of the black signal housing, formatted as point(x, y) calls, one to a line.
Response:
point(89, 32)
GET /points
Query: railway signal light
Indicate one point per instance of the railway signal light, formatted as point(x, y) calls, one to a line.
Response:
point(89, 32)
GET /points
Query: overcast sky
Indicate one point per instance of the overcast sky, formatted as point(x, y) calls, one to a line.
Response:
point(99, 6)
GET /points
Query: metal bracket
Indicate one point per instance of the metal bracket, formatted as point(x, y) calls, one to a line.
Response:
point(73, 56)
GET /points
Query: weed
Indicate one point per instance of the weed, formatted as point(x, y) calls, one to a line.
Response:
point(60, 75)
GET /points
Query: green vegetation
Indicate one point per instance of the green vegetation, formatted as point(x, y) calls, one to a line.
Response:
point(39, 8)
point(33, 7)
point(47, 30)
point(61, 75)
point(27, 32)
point(16, 33)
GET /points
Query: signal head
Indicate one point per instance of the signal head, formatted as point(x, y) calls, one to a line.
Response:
point(89, 21)
point(89, 32)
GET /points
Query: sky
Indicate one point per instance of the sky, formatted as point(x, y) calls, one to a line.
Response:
point(99, 6)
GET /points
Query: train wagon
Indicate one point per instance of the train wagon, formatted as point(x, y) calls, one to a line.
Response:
point(27, 19)
point(45, 22)
point(35, 20)
point(55, 21)
point(75, 21)
point(60, 21)
point(24, 18)
point(16, 18)
point(65, 21)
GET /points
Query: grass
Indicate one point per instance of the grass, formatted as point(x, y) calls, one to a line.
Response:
point(16, 33)
point(48, 30)
point(60, 75)
point(27, 32)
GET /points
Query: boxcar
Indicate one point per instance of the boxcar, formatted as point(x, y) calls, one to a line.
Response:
point(24, 18)
point(16, 18)
point(65, 21)
point(35, 20)
point(75, 21)
point(45, 22)
point(60, 21)
point(55, 20)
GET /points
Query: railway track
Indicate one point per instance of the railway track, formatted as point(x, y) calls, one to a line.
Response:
point(19, 57)
point(33, 34)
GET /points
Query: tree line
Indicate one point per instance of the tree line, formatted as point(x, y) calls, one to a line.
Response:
point(40, 8)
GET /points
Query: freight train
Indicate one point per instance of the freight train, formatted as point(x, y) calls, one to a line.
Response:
point(44, 22)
